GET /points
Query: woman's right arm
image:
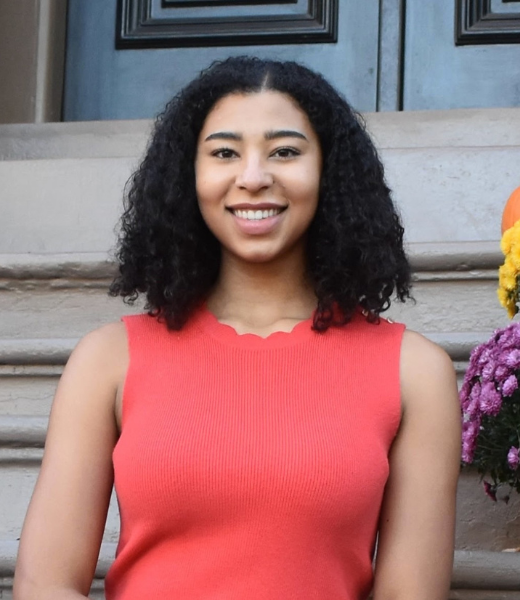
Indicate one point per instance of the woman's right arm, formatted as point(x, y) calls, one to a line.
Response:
point(65, 521)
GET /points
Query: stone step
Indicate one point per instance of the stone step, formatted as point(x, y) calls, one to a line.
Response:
point(474, 128)
point(28, 389)
point(102, 139)
point(455, 288)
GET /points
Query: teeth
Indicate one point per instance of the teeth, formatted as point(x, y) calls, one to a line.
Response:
point(256, 215)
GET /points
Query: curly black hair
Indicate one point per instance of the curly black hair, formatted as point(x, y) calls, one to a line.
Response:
point(355, 254)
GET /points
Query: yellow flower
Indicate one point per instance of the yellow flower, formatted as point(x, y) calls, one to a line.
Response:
point(509, 265)
point(503, 296)
point(512, 309)
point(505, 242)
point(507, 275)
point(514, 254)
point(508, 301)
point(509, 272)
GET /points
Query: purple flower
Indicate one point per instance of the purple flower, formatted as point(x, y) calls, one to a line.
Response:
point(513, 459)
point(464, 393)
point(510, 337)
point(505, 338)
point(488, 370)
point(509, 386)
point(490, 490)
point(476, 390)
point(465, 388)
point(513, 359)
point(473, 406)
point(492, 377)
point(468, 450)
point(470, 431)
point(490, 400)
point(502, 372)
point(485, 356)
point(476, 352)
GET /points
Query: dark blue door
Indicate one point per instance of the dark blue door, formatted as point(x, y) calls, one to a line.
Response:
point(126, 58)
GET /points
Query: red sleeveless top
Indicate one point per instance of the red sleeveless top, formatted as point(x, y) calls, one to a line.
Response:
point(251, 468)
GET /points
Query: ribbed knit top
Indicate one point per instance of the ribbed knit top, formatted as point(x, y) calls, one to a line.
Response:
point(253, 468)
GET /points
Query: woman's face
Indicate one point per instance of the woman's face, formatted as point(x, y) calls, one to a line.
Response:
point(258, 168)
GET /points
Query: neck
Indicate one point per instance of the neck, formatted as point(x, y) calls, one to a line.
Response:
point(258, 295)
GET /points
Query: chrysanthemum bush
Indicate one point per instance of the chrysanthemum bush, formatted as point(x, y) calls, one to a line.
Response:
point(490, 399)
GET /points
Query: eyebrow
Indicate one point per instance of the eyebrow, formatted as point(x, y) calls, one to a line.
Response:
point(224, 135)
point(282, 133)
point(269, 135)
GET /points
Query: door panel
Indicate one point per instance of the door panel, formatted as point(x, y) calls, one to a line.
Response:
point(438, 74)
point(103, 82)
point(180, 23)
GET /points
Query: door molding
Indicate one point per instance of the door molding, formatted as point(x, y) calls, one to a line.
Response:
point(138, 26)
point(477, 23)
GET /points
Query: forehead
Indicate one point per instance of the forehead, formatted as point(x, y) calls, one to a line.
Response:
point(261, 110)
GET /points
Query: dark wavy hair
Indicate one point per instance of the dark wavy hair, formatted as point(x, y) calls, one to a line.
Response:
point(355, 255)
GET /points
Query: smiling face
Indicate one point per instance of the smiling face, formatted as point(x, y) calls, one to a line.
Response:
point(258, 169)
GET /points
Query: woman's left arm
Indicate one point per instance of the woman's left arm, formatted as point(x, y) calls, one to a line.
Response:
point(415, 547)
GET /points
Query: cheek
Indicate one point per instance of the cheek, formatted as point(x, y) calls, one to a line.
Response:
point(206, 192)
point(210, 186)
point(208, 199)
point(306, 187)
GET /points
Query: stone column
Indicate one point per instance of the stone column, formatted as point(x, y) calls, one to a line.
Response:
point(32, 57)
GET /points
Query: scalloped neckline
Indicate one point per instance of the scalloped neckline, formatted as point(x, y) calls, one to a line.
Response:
point(227, 334)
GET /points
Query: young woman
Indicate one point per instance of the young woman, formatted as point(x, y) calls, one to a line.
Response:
point(262, 423)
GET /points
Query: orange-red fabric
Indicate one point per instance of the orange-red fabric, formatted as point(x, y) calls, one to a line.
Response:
point(251, 468)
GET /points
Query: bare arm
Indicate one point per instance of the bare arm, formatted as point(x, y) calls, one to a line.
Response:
point(415, 550)
point(64, 525)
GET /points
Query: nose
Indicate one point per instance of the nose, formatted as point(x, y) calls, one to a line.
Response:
point(254, 176)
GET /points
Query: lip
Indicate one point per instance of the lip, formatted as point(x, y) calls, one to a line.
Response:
point(256, 206)
point(258, 226)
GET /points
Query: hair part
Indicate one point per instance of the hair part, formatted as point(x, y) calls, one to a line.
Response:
point(355, 255)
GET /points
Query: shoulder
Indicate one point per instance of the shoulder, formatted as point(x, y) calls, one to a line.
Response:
point(375, 325)
point(104, 342)
point(103, 352)
point(419, 354)
point(85, 398)
point(428, 379)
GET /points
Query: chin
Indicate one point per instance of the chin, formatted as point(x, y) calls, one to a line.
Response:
point(257, 257)
point(256, 252)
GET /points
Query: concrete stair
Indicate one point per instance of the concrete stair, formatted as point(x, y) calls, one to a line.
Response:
point(60, 197)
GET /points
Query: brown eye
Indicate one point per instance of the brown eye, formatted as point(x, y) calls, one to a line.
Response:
point(225, 153)
point(286, 152)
